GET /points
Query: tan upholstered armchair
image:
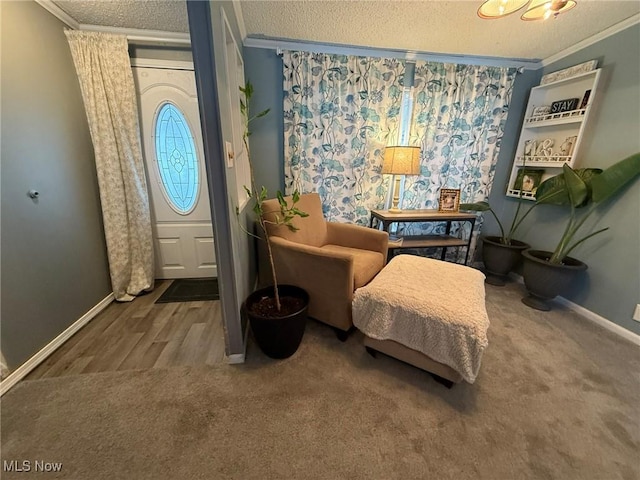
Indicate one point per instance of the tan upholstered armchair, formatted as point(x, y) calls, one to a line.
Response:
point(329, 260)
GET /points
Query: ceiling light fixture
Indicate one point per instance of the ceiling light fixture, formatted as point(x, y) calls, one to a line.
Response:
point(543, 9)
point(536, 10)
point(499, 8)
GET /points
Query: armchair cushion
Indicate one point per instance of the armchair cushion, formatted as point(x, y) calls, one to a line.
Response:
point(366, 264)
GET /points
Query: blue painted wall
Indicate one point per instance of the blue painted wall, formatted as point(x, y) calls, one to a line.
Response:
point(612, 287)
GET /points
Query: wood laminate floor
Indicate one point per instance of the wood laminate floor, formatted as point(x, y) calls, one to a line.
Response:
point(141, 335)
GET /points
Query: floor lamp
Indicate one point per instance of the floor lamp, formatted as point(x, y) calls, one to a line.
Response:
point(400, 161)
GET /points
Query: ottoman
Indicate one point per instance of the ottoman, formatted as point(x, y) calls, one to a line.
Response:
point(428, 313)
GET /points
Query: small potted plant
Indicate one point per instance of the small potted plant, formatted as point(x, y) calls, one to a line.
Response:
point(277, 313)
point(546, 274)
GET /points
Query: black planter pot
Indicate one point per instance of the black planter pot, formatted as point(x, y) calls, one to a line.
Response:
point(499, 259)
point(278, 337)
point(545, 281)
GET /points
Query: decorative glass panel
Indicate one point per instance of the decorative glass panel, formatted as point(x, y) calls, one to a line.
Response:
point(176, 159)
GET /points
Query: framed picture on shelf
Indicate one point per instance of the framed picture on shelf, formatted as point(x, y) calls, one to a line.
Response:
point(528, 179)
point(449, 200)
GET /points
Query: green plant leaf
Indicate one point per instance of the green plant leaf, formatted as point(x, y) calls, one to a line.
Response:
point(587, 175)
point(248, 90)
point(299, 213)
point(576, 187)
point(263, 193)
point(614, 178)
point(281, 200)
point(295, 197)
point(476, 207)
point(553, 191)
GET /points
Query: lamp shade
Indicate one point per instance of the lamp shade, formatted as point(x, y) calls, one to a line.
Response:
point(401, 161)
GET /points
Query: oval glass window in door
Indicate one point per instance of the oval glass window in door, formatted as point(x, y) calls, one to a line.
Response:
point(176, 159)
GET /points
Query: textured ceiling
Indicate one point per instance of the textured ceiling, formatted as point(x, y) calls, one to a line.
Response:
point(446, 27)
point(431, 26)
point(165, 15)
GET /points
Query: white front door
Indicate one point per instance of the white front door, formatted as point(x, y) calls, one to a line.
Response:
point(174, 160)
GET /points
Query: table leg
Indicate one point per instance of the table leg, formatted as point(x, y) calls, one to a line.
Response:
point(444, 249)
point(466, 257)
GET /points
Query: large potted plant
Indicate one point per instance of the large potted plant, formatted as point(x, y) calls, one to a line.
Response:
point(581, 191)
point(500, 254)
point(278, 313)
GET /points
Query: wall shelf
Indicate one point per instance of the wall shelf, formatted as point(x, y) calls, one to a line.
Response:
point(525, 195)
point(549, 141)
point(555, 162)
point(572, 116)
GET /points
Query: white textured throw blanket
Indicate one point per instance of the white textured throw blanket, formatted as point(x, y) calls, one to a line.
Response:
point(435, 307)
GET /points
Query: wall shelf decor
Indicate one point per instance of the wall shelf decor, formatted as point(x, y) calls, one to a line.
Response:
point(549, 140)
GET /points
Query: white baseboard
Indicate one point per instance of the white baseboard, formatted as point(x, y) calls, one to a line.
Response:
point(603, 322)
point(24, 369)
point(235, 358)
point(589, 315)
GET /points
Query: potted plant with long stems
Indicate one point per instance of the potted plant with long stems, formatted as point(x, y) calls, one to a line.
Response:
point(277, 313)
point(546, 274)
point(500, 254)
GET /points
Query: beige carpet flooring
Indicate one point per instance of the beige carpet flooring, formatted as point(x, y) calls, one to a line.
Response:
point(557, 398)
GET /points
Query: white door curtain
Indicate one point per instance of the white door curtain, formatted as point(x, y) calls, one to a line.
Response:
point(106, 81)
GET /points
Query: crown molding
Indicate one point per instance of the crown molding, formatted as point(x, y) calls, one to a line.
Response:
point(340, 49)
point(138, 35)
point(56, 11)
point(618, 27)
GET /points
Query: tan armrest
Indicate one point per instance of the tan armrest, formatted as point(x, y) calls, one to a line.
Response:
point(356, 236)
point(313, 268)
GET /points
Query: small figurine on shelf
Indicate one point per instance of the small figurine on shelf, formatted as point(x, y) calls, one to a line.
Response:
point(545, 149)
point(530, 147)
point(566, 149)
point(541, 110)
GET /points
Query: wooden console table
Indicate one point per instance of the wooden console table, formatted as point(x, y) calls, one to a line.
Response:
point(386, 218)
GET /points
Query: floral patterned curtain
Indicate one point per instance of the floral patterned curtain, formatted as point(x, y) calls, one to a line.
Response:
point(459, 112)
point(106, 82)
point(339, 114)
